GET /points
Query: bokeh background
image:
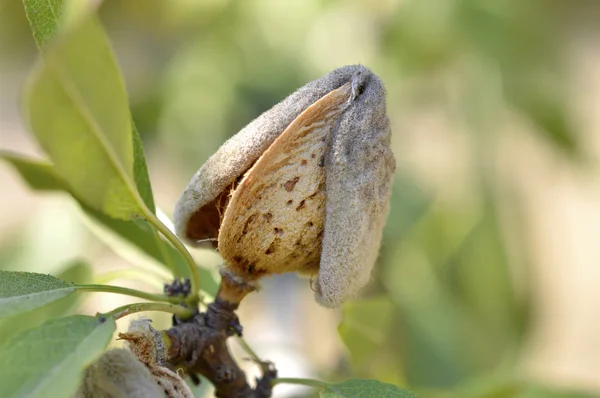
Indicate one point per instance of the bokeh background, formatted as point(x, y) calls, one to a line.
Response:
point(489, 271)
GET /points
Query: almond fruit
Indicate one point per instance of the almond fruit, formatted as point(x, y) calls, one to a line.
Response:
point(303, 188)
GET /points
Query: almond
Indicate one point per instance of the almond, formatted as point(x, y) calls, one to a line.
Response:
point(303, 188)
point(275, 218)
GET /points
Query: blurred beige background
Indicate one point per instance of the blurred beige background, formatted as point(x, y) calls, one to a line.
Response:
point(491, 256)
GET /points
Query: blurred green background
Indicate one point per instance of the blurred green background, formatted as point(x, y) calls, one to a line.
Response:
point(487, 281)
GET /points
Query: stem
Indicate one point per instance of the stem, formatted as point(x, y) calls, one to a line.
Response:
point(166, 232)
point(305, 382)
point(129, 292)
point(161, 248)
point(248, 349)
point(119, 312)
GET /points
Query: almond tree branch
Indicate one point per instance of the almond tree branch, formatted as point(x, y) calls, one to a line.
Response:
point(200, 347)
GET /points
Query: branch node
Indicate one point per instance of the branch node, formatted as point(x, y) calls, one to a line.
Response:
point(200, 347)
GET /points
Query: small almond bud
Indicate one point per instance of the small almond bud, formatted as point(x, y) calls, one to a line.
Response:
point(150, 347)
point(303, 188)
point(118, 374)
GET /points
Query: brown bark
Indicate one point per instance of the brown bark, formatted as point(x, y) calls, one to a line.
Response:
point(200, 346)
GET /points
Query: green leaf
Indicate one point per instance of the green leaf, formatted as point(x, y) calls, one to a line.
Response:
point(364, 327)
point(77, 108)
point(93, 149)
point(24, 291)
point(358, 388)
point(77, 272)
point(139, 234)
point(140, 170)
point(48, 361)
point(38, 174)
point(43, 16)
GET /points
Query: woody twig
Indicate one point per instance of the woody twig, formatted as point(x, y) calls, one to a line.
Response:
point(200, 347)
